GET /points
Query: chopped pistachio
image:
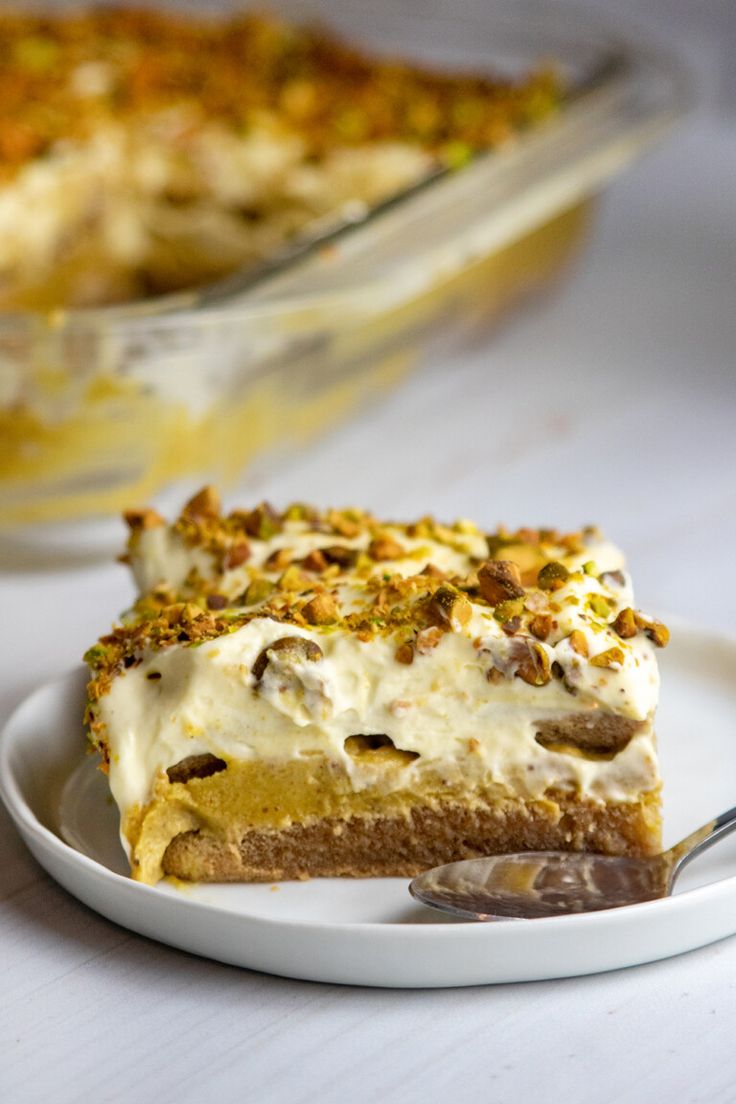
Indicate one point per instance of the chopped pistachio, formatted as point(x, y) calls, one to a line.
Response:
point(299, 511)
point(499, 580)
point(322, 609)
point(608, 658)
point(237, 554)
point(497, 541)
point(450, 607)
point(532, 662)
point(258, 591)
point(467, 527)
point(263, 522)
point(315, 561)
point(143, 519)
point(95, 655)
point(658, 633)
point(291, 649)
point(599, 605)
point(625, 624)
point(385, 548)
point(428, 639)
point(578, 642)
point(344, 524)
point(341, 555)
point(541, 626)
point(204, 505)
point(279, 560)
point(294, 579)
point(512, 626)
point(509, 609)
point(552, 576)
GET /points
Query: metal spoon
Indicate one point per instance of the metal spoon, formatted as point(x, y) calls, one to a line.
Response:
point(552, 883)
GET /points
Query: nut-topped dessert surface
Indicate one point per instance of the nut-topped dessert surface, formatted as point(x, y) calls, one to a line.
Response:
point(142, 152)
point(408, 657)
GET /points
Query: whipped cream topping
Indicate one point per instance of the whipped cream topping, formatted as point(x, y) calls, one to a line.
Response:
point(442, 707)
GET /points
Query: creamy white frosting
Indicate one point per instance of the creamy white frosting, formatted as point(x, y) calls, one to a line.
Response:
point(207, 700)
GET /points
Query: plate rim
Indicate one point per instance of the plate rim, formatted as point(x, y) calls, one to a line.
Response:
point(31, 828)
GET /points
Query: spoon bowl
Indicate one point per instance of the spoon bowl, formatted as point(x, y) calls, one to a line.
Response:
point(535, 884)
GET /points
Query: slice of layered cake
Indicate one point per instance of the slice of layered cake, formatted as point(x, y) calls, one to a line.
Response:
point(322, 693)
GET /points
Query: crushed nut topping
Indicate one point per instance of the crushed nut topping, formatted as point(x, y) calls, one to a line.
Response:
point(295, 580)
point(553, 576)
point(216, 601)
point(532, 662)
point(658, 633)
point(450, 607)
point(143, 519)
point(578, 642)
point(315, 561)
point(541, 625)
point(237, 554)
point(428, 639)
point(509, 610)
point(263, 522)
point(599, 605)
point(325, 92)
point(625, 624)
point(385, 548)
point(341, 555)
point(321, 610)
point(608, 658)
point(258, 591)
point(291, 648)
point(499, 580)
point(205, 505)
point(278, 560)
point(512, 626)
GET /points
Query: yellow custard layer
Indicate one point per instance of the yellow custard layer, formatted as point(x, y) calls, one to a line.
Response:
point(267, 797)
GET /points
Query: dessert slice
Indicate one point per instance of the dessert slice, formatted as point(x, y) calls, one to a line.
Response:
point(322, 693)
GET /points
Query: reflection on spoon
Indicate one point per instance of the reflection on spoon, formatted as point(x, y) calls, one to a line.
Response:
point(533, 884)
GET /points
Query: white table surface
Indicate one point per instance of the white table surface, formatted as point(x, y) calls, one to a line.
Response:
point(615, 401)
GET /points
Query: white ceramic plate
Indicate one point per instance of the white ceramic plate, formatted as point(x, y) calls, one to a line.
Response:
point(371, 932)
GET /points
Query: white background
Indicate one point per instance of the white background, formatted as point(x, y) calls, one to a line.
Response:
point(613, 400)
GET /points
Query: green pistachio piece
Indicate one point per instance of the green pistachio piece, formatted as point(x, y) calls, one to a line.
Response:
point(553, 576)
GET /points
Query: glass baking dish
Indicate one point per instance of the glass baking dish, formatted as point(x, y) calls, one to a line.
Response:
point(103, 409)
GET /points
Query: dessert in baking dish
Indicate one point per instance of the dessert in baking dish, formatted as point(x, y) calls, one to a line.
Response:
point(143, 152)
point(322, 693)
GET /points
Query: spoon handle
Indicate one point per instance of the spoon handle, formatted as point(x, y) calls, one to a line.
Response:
point(701, 840)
